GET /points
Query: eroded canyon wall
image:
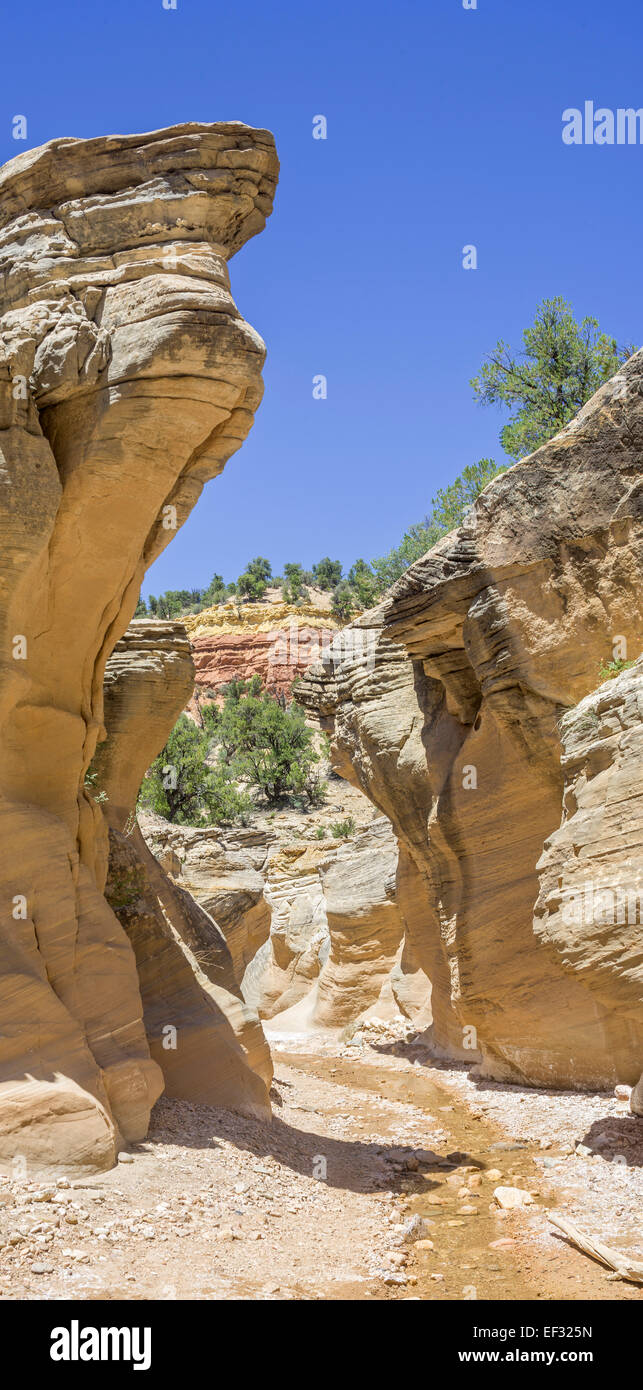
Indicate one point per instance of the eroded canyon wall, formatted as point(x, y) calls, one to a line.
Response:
point(127, 378)
point(272, 639)
point(449, 718)
point(208, 1043)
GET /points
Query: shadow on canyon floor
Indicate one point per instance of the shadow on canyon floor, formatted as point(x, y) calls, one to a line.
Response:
point(354, 1165)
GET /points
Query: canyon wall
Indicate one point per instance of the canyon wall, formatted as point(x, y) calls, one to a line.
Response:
point(209, 1045)
point(127, 378)
point(317, 929)
point(272, 639)
point(449, 716)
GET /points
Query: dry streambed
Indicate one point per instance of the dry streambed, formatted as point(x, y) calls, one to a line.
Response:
point(375, 1179)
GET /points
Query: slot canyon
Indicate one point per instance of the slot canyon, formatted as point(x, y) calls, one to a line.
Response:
point(271, 1059)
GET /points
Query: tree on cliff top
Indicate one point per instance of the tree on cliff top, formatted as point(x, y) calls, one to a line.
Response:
point(561, 364)
point(448, 511)
point(327, 573)
point(253, 582)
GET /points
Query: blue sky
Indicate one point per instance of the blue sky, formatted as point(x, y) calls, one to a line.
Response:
point(444, 129)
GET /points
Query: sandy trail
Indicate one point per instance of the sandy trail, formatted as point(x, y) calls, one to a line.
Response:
point(316, 1204)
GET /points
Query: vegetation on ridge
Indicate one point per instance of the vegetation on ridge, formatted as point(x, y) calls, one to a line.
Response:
point(561, 364)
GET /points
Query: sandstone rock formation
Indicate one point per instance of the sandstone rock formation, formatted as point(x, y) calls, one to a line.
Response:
point(286, 967)
point(223, 871)
point(315, 928)
point(148, 680)
point(208, 1043)
point(450, 723)
point(272, 639)
point(590, 905)
point(127, 378)
point(364, 923)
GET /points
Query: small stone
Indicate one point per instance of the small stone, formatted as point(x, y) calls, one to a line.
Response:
point(468, 1210)
point(124, 1157)
point(396, 1258)
point(511, 1198)
point(583, 1151)
point(438, 1277)
point(502, 1244)
point(42, 1269)
point(414, 1230)
point(424, 1245)
point(622, 1092)
point(493, 1174)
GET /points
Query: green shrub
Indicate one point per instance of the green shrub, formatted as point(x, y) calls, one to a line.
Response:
point(342, 829)
point(609, 669)
point(182, 788)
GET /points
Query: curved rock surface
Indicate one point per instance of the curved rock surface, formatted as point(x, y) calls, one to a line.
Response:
point(127, 378)
point(209, 1044)
point(590, 905)
point(451, 726)
point(301, 958)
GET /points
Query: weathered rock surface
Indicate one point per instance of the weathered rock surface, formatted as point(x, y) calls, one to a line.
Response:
point(207, 1041)
point(269, 890)
point(285, 968)
point(127, 378)
point(148, 679)
point(364, 923)
point(223, 871)
point(590, 906)
point(451, 726)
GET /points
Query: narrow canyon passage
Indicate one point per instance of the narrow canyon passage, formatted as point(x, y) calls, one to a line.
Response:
point(374, 1180)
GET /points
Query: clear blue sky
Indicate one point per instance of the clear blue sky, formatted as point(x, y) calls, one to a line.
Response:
point(444, 128)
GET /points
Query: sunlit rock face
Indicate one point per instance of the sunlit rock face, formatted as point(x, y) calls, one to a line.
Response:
point(208, 1043)
point(127, 378)
point(449, 718)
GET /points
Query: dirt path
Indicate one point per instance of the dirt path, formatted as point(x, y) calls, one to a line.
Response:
point(317, 1204)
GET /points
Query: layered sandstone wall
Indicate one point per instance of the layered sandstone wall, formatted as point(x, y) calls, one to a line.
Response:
point(451, 724)
point(272, 639)
point(127, 378)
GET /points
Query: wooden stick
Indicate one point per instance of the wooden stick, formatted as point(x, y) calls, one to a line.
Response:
point(623, 1268)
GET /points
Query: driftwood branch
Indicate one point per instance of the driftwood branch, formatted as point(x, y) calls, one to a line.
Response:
point(622, 1267)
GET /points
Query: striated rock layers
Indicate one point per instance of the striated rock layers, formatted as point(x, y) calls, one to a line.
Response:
point(274, 640)
point(127, 378)
point(449, 718)
point(590, 905)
